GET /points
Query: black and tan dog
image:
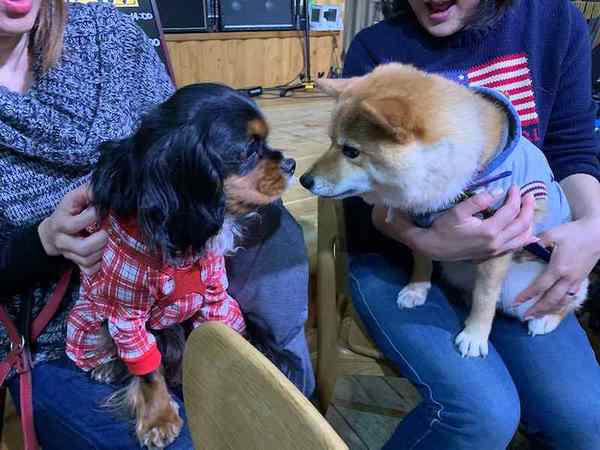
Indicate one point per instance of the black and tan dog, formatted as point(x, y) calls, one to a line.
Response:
point(197, 167)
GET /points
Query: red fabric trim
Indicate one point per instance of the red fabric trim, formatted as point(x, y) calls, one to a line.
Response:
point(145, 364)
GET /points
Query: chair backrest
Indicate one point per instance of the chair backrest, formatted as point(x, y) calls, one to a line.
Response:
point(236, 399)
point(590, 9)
point(332, 238)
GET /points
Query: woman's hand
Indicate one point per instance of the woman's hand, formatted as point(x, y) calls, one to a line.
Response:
point(576, 252)
point(63, 233)
point(459, 235)
point(576, 249)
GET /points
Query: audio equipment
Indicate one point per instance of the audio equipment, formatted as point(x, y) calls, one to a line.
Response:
point(239, 15)
point(325, 17)
point(306, 83)
point(183, 16)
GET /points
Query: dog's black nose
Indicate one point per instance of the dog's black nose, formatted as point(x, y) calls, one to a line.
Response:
point(288, 165)
point(307, 181)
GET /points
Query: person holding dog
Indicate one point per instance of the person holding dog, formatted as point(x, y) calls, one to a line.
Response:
point(73, 76)
point(539, 54)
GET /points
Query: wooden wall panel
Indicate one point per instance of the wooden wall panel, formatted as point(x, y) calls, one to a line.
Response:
point(250, 58)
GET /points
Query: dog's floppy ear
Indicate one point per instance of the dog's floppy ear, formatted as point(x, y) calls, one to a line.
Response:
point(182, 203)
point(113, 181)
point(393, 115)
point(334, 86)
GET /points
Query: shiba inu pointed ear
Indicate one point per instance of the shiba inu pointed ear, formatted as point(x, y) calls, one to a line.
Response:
point(394, 116)
point(334, 86)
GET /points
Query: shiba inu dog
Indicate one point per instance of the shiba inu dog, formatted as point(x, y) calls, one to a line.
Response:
point(419, 143)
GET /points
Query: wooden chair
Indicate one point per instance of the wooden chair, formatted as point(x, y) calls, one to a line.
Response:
point(590, 9)
point(236, 399)
point(344, 347)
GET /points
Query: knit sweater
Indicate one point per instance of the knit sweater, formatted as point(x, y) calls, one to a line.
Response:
point(108, 76)
point(538, 53)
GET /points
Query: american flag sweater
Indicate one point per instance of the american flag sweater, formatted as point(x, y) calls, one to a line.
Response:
point(538, 54)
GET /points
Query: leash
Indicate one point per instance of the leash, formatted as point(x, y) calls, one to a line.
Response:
point(19, 357)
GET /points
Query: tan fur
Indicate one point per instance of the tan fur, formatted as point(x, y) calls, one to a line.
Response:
point(261, 186)
point(398, 111)
point(420, 138)
point(489, 277)
point(258, 128)
point(157, 421)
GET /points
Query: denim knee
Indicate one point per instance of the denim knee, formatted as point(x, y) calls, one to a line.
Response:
point(574, 425)
point(487, 420)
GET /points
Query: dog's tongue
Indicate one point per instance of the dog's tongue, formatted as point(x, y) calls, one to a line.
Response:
point(440, 7)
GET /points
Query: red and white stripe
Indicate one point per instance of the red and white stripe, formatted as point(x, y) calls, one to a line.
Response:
point(509, 74)
point(537, 188)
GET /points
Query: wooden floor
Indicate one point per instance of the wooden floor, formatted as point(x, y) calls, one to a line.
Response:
point(299, 128)
point(366, 410)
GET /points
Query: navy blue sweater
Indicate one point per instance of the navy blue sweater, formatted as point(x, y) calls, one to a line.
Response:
point(538, 53)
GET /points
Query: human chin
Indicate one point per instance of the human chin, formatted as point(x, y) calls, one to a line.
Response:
point(443, 29)
point(12, 23)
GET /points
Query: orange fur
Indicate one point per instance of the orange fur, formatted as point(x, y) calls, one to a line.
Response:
point(156, 414)
point(260, 186)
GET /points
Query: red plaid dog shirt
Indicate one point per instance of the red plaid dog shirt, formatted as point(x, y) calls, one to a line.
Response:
point(135, 292)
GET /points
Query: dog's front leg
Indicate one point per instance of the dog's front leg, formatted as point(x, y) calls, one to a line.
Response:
point(489, 277)
point(416, 291)
point(157, 421)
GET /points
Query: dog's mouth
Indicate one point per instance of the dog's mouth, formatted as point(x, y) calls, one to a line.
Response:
point(341, 195)
point(312, 184)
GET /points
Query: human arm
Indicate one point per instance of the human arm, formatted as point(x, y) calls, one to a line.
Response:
point(576, 248)
point(572, 150)
point(23, 259)
point(40, 251)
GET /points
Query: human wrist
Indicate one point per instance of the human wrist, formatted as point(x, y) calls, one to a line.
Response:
point(45, 234)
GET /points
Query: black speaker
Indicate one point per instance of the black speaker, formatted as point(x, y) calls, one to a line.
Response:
point(183, 16)
point(257, 15)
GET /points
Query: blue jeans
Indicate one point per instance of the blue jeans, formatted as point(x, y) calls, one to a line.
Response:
point(551, 383)
point(68, 414)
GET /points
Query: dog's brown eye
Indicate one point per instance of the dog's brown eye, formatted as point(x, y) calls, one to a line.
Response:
point(350, 152)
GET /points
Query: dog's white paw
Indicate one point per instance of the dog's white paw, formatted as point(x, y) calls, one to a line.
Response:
point(472, 342)
point(544, 324)
point(413, 294)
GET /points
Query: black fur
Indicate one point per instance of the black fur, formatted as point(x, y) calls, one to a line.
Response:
point(170, 174)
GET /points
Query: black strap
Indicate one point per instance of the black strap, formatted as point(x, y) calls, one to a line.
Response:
point(24, 317)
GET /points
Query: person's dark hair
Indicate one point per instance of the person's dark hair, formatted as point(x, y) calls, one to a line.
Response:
point(489, 11)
